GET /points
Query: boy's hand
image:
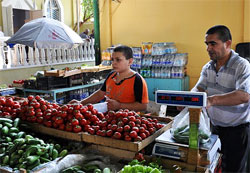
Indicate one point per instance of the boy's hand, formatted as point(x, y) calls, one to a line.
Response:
point(74, 101)
point(113, 104)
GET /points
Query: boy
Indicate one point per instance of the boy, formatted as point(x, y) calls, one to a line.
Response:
point(123, 87)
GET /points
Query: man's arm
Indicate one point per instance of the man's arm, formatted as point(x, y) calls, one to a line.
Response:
point(229, 99)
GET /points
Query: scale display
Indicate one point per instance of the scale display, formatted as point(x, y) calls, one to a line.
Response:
point(181, 98)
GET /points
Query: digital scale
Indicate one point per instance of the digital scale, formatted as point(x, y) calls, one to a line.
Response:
point(165, 145)
point(181, 98)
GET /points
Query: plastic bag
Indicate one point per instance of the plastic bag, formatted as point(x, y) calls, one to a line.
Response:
point(180, 127)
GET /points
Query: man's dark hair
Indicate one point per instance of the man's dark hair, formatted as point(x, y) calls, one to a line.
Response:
point(222, 31)
point(127, 51)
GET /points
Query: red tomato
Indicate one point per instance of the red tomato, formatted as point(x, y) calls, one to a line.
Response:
point(127, 138)
point(142, 129)
point(74, 122)
point(77, 128)
point(131, 123)
point(109, 133)
point(127, 128)
point(90, 107)
point(2, 101)
point(133, 134)
point(39, 120)
point(152, 130)
point(143, 135)
point(135, 129)
point(48, 123)
point(69, 127)
point(117, 135)
point(120, 124)
point(100, 115)
point(83, 122)
point(96, 128)
point(114, 127)
point(42, 102)
point(61, 127)
point(79, 116)
point(37, 97)
point(87, 114)
point(147, 133)
point(39, 114)
point(63, 114)
point(138, 138)
point(77, 107)
point(83, 109)
point(59, 120)
point(94, 111)
point(30, 97)
point(64, 108)
point(125, 120)
point(132, 118)
point(119, 129)
point(91, 131)
point(9, 101)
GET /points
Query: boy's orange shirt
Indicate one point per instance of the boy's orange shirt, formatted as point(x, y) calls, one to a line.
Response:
point(129, 90)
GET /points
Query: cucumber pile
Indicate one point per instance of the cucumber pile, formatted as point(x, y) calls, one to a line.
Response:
point(21, 150)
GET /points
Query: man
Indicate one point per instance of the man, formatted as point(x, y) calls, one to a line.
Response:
point(85, 34)
point(226, 79)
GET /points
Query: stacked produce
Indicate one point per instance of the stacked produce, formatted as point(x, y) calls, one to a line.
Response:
point(137, 166)
point(10, 106)
point(123, 124)
point(20, 150)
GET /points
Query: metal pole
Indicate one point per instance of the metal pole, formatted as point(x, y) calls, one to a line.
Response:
point(97, 32)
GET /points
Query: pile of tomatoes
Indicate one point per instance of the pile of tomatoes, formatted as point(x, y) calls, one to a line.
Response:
point(122, 124)
point(9, 107)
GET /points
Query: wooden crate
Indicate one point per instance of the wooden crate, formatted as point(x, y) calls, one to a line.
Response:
point(55, 132)
point(115, 152)
point(56, 73)
point(126, 145)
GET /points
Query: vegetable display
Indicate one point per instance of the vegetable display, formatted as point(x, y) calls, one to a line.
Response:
point(21, 150)
point(123, 124)
point(135, 166)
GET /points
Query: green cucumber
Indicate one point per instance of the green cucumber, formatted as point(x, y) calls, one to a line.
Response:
point(13, 130)
point(8, 124)
point(32, 159)
point(16, 122)
point(106, 170)
point(54, 154)
point(6, 160)
point(5, 130)
point(63, 153)
point(7, 120)
point(20, 134)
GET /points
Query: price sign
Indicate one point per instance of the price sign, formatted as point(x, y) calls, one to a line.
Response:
point(181, 98)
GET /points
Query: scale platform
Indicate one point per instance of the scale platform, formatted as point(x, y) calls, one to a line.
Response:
point(166, 146)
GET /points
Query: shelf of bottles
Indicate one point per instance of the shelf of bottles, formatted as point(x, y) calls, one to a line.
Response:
point(159, 60)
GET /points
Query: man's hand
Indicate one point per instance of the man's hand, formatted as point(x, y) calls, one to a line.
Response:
point(74, 102)
point(209, 101)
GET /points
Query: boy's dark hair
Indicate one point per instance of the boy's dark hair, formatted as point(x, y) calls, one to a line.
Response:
point(127, 51)
point(222, 31)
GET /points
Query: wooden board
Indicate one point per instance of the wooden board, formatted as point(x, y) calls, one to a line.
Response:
point(56, 73)
point(122, 154)
point(122, 144)
point(54, 132)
